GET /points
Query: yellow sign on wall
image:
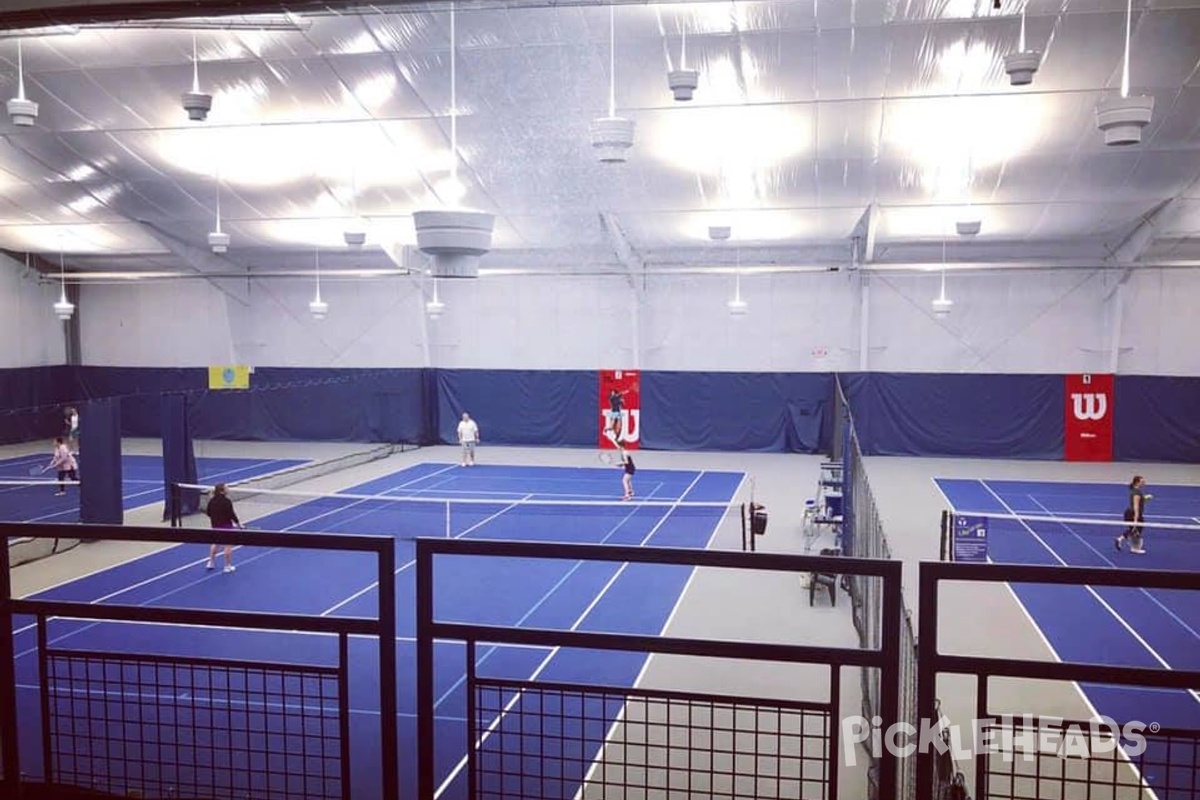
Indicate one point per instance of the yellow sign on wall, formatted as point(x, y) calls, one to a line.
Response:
point(229, 377)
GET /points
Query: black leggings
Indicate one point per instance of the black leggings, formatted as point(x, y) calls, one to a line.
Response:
point(1133, 531)
point(63, 474)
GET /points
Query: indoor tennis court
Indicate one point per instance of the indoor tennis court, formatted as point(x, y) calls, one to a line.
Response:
point(599, 399)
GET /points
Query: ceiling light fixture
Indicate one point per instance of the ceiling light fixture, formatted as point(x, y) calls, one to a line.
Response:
point(435, 306)
point(737, 306)
point(1122, 118)
point(455, 237)
point(612, 135)
point(942, 304)
point(318, 307)
point(355, 234)
point(218, 240)
point(683, 81)
point(21, 111)
point(64, 308)
point(196, 103)
point(1021, 65)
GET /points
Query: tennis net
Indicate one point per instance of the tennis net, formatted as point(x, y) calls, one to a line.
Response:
point(409, 515)
point(38, 501)
point(1077, 539)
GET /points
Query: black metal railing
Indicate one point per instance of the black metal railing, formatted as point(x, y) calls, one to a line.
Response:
point(160, 725)
point(1027, 756)
point(539, 739)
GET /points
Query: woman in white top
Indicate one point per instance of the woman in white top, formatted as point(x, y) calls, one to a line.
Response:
point(468, 437)
point(64, 462)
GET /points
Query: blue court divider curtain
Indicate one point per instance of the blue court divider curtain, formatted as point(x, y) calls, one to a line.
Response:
point(179, 455)
point(32, 400)
point(962, 415)
point(100, 495)
point(1156, 418)
point(739, 411)
point(520, 407)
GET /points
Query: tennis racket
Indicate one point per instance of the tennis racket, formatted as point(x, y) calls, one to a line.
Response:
point(36, 470)
point(608, 457)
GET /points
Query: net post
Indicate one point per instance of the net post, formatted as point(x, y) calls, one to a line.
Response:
point(10, 755)
point(448, 519)
point(742, 514)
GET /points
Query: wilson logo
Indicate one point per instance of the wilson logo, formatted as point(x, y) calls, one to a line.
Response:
point(1089, 405)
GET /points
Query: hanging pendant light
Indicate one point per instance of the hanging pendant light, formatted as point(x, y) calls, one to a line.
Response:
point(318, 307)
point(64, 308)
point(942, 304)
point(21, 111)
point(218, 240)
point(1122, 118)
point(196, 103)
point(435, 307)
point(612, 135)
point(1021, 65)
point(456, 237)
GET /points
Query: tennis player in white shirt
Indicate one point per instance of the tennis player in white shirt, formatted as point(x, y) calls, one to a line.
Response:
point(468, 437)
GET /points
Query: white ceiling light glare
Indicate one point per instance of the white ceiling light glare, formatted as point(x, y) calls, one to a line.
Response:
point(1122, 118)
point(455, 237)
point(22, 111)
point(435, 307)
point(1021, 65)
point(318, 307)
point(683, 81)
point(64, 308)
point(942, 304)
point(612, 136)
point(196, 103)
point(218, 240)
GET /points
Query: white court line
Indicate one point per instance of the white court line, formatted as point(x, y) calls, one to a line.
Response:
point(549, 593)
point(159, 488)
point(185, 566)
point(637, 682)
point(1111, 563)
point(512, 504)
point(550, 657)
point(1121, 620)
point(1095, 713)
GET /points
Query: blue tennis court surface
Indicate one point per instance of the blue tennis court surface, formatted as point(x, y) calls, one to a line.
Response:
point(561, 595)
point(1103, 625)
point(141, 483)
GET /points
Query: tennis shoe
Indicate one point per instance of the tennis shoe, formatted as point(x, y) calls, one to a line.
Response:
point(1119, 540)
point(1138, 550)
point(230, 568)
point(209, 565)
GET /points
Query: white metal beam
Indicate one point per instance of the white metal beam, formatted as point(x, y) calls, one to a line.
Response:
point(626, 255)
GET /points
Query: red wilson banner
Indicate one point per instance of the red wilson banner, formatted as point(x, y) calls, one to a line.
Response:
point(1089, 421)
point(620, 409)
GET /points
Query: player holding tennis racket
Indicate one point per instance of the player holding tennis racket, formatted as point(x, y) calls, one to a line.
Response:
point(1135, 514)
point(64, 462)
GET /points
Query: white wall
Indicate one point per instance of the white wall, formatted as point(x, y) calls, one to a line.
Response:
point(30, 334)
point(1031, 322)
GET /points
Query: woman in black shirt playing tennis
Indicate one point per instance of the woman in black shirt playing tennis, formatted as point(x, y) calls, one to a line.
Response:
point(221, 514)
point(627, 477)
point(1135, 514)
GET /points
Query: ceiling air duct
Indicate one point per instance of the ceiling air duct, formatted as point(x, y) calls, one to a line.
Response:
point(456, 239)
